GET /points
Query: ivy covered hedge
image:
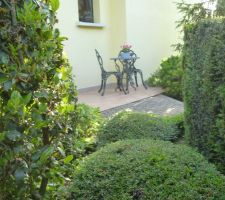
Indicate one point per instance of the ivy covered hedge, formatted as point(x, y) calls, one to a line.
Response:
point(147, 169)
point(134, 125)
point(204, 88)
point(37, 102)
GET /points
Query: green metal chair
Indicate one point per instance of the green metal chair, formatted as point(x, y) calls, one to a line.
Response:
point(105, 75)
point(128, 59)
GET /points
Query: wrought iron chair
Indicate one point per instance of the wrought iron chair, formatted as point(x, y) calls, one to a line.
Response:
point(132, 70)
point(105, 75)
point(127, 73)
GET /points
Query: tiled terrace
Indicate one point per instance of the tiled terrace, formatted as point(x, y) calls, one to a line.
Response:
point(141, 100)
point(113, 98)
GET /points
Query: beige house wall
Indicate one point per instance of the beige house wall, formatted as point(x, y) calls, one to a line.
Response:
point(151, 29)
point(149, 25)
point(83, 40)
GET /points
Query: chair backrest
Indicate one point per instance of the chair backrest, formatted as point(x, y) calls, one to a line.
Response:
point(100, 61)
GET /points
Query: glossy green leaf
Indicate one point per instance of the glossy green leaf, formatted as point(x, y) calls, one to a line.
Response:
point(4, 58)
point(2, 136)
point(46, 154)
point(62, 152)
point(3, 79)
point(36, 156)
point(27, 98)
point(13, 135)
point(20, 174)
point(54, 5)
point(15, 100)
point(68, 159)
point(7, 85)
point(43, 107)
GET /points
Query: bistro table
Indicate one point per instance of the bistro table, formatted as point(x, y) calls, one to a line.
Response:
point(128, 70)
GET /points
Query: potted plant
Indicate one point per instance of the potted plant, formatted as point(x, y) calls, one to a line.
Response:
point(126, 51)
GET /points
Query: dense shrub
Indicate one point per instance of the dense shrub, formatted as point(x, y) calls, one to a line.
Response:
point(205, 88)
point(131, 125)
point(147, 169)
point(169, 77)
point(37, 101)
point(176, 121)
point(88, 123)
point(220, 8)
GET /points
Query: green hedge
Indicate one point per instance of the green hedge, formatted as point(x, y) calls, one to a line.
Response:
point(220, 8)
point(132, 125)
point(169, 77)
point(204, 88)
point(147, 169)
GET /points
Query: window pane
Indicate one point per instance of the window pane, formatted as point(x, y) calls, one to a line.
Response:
point(86, 11)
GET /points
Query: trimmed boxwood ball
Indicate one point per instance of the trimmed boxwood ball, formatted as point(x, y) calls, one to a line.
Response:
point(133, 125)
point(147, 170)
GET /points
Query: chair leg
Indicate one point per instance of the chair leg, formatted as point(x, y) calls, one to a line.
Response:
point(121, 84)
point(135, 76)
point(118, 83)
point(104, 86)
point(101, 86)
point(142, 79)
point(132, 84)
point(131, 81)
point(127, 83)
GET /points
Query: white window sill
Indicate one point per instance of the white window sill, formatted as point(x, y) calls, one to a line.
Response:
point(88, 24)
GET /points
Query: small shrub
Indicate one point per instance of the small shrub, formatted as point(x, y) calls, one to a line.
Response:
point(88, 123)
point(130, 125)
point(169, 77)
point(88, 120)
point(176, 121)
point(147, 169)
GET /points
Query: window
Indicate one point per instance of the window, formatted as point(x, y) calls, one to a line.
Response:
point(86, 11)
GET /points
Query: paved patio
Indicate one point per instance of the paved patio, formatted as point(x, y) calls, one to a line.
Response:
point(160, 105)
point(141, 100)
point(113, 98)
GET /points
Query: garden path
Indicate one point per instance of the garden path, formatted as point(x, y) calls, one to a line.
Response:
point(160, 105)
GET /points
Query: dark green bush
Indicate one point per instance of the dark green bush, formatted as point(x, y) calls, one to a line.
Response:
point(204, 88)
point(131, 125)
point(147, 169)
point(169, 77)
point(37, 101)
point(220, 8)
point(176, 121)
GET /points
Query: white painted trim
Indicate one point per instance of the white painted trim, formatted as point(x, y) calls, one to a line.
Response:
point(88, 24)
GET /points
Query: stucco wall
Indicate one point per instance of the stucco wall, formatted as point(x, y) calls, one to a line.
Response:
point(151, 29)
point(149, 25)
point(83, 40)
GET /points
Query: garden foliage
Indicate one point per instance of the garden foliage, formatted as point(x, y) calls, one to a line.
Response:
point(204, 88)
point(37, 101)
point(147, 169)
point(169, 77)
point(88, 123)
point(220, 8)
point(131, 125)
